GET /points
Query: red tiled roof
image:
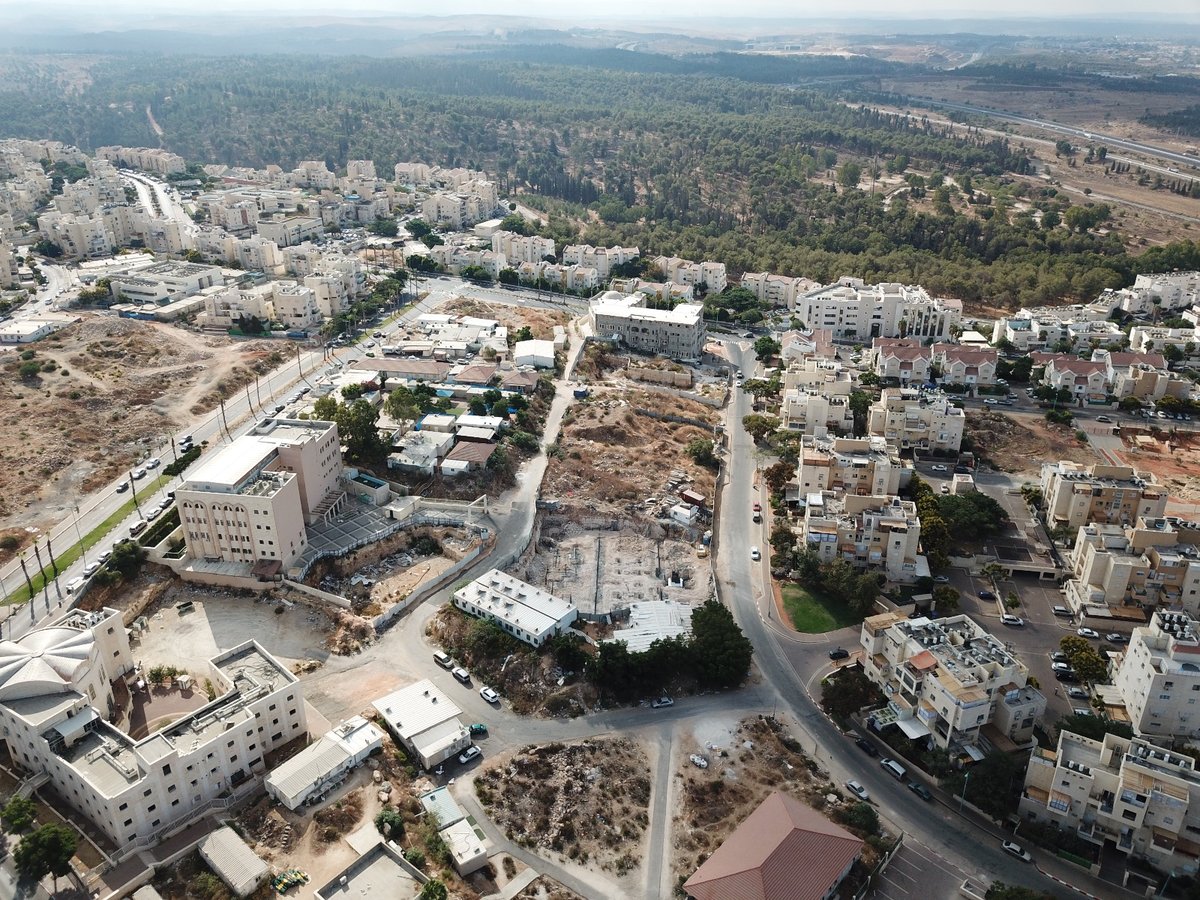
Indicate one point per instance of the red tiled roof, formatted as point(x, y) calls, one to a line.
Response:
point(783, 849)
point(973, 356)
point(1157, 360)
point(480, 373)
point(471, 451)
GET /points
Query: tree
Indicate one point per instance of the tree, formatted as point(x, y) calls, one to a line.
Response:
point(509, 276)
point(862, 818)
point(701, 452)
point(19, 813)
point(434, 889)
point(994, 784)
point(849, 174)
point(384, 227)
point(48, 249)
point(1087, 663)
point(418, 228)
point(1001, 891)
point(766, 347)
point(972, 516)
point(524, 333)
point(759, 426)
point(777, 476)
point(29, 370)
point(517, 223)
point(127, 558)
point(46, 851)
point(1094, 727)
point(357, 424)
point(720, 652)
point(390, 823)
point(860, 408)
point(844, 694)
point(945, 598)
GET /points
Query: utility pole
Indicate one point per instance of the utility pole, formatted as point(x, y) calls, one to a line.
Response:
point(257, 392)
point(174, 454)
point(133, 490)
point(223, 420)
point(45, 581)
point(28, 582)
point(249, 402)
point(78, 534)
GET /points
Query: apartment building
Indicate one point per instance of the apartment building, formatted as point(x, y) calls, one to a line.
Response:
point(816, 398)
point(1127, 793)
point(1144, 338)
point(10, 279)
point(677, 333)
point(865, 467)
point(709, 275)
point(290, 230)
point(80, 237)
point(796, 346)
point(1155, 563)
point(602, 259)
point(778, 290)
point(854, 311)
point(57, 695)
point(901, 359)
point(970, 366)
point(295, 306)
point(148, 159)
point(881, 533)
point(912, 418)
point(165, 282)
point(250, 502)
point(1160, 294)
point(1044, 326)
point(655, 290)
point(1076, 495)
point(950, 681)
point(1158, 678)
point(528, 613)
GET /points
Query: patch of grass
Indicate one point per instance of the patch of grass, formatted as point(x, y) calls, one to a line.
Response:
point(91, 539)
point(814, 613)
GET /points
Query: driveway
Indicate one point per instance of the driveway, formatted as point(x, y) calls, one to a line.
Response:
point(915, 873)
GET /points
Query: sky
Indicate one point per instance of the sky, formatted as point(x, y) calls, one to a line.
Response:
point(656, 10)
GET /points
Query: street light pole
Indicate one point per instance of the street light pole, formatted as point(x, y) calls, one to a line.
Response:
point(963, 798)
point(79, 534)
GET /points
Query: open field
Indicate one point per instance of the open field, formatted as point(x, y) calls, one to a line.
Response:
point(1020, 444)
point(107, 390)
point(540, 321)
point(813, 613)
point(1174, 459)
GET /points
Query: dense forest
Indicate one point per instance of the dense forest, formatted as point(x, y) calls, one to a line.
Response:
point(719, 156)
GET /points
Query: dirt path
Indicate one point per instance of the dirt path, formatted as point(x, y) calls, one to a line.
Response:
point(154, 123)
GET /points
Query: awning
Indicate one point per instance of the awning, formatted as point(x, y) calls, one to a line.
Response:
point(974, 752)
point(914, 728)
point(72, 728)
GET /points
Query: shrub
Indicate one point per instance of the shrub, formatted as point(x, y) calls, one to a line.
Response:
point(390, 824)
point(18, 814)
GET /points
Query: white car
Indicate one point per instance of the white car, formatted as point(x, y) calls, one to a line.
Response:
point(938, 468)
point(153, 462)
point(489, 695)
point(755, 554)
point(1017, 850)
point(857, 790)
point(661, 702)
point(139, 474)
point(1088, 633)
point(469, 754)
point(941, 579)
point(1014, 621)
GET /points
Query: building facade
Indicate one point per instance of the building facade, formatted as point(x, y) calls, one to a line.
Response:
point(917, 419)
point(1076, 495)
point(1158, 678)
point(882, 533)
point(854, 311)
point(863, 466)
point(678, 333)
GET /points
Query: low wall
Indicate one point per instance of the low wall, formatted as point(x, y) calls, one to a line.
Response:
point(385, 619)
point(317, 594)
point(660, 376)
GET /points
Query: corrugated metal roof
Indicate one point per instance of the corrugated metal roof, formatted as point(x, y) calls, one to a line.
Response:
point(234, 862)
point(783, 849)
point(308, 767)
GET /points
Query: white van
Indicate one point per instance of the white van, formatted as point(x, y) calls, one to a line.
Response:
point(893, 768)
point(137, 527)
point(74, 584)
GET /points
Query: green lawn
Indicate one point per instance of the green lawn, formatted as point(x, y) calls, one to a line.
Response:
point(814, 613)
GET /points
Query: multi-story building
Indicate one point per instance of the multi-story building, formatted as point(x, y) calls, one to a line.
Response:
point(1158, 677)
point(655, 290)
point(816, 398)
point(1144, 338)
point(165, 282)
point(1077, 495)
point(1042, 326)
point(290, 230)
point(917, 419)
point(9, 276)
point(800, 345)
point(1153, 564)
point(901, 359)
point(778, 290)
point(970, 366)
point(250, 502)
point(148, 159)
point(678, 333)
point(602, 259)
point(528, 613)
point(867, 467)
point(857, 312)
point(295, 306)
point(57, 695)
point(950, 681)
point(709, 275)
point(1127, 793)
point(869, 532)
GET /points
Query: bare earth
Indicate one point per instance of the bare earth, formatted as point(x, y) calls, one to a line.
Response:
point(1020, 444)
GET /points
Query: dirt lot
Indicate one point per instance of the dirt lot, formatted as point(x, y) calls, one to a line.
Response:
point(1174, 460)
point(108, 387)
point(612, 458)
point(747, 761)
point(1020, 444)
point(540, 321)
point(544, 888)
point(558, 799)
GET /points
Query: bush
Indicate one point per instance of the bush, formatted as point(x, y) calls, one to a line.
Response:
point(390, 824)
point(415, 856)
point(18, 814)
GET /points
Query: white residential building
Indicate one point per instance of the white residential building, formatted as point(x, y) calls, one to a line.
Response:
point(902, 359)
point(250, 502)
point(1075, 495)
point(854, 311)
point(424, 720)
point(148, 159)
point(323, 763)
point(290, 230)
point(1153, 564)
point(800, 345)
point(165, 282)
point(678, 333)
point(816, 398)
point(778, 290)
point(9, 278)
point(869, 532)
point(710, 275)
point(1134, 796)
point(528, 613)
point(952, 682)
point(1144, 338)
point(866, 467)
point(57, 695)
point(602, 259)
point(918, 419)
point(295, 306)
point(518, 248)
point(970, 366)
point(1158, 678)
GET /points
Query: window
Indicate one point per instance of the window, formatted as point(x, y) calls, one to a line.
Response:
point(1130, 815)
point(123, 807)
point(127, 822)
point(167, 769)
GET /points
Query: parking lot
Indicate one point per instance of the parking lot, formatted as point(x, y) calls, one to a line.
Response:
point(915, 872)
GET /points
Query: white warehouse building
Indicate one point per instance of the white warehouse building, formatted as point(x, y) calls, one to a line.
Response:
point(526, 612)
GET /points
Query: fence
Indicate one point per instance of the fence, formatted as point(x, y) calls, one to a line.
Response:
point(880, 868)
point(384, 620)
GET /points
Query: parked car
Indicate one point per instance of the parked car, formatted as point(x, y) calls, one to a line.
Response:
point(857, 790)
point(937, 468)
point(1058, 656)
point(1017, 850)
point(661, 702)
point(74, 584)
point(1012, 621)
point(461, 674)
point(443, 659)
point(469, 754)
point(1103, 419)
point(1061, 667)
point(1067, 677)
point(866, 747)
point(139, 474)
point(1081, 711)
point(1087, 632)
point(757, 518)
point(1062, 611)
point(153, 462)
point(757, 506)
point(839, 653)
point(489, 695)
point(920, 790)
point(1116, 638)
point(940, 579)
point(755, 554)
point(986, 595)
point(1077, 693)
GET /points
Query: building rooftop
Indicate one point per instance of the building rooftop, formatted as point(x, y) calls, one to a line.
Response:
point(380, 872)
point(235, 863)
point(416, 708)
point(500, 594)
